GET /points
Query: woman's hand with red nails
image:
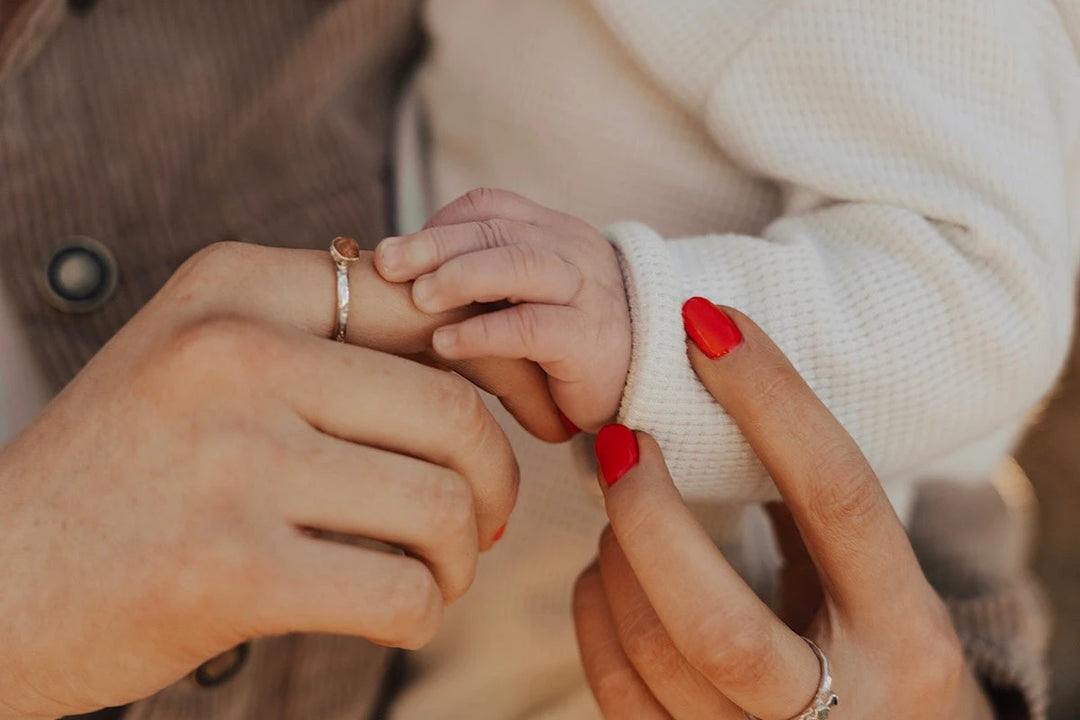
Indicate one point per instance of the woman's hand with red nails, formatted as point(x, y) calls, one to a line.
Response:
point(668, 629)
point(568, 312)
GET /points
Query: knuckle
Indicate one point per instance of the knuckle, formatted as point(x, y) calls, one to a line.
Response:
point(439, 244)
point(462, 401)
point(524, 259)
point(416, 604)
point(213, 262)
point(610, 685)
point(647, 644)
point(933, 639)
point(844, 491)
point(493, 233)
point(213, 348)
point(481, 200)
point(528, 325)
point(774, 384)
point(450, 511)
point(480, 444)
point(732, 655)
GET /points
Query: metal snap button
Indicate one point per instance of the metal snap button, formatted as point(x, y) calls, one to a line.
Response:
point(80, 276)
point(222, 667)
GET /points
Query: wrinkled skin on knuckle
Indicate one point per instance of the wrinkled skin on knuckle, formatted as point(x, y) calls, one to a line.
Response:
point(493, 233)
point(524, 260)
point(214, 264)
point(732, 655)
point(482, 200)
point(647, 644)
point(610, 686)
point(415, 605)
point(528, 326)
point(210, 356)
point(481, 442)
point(463, 407)
point(930, 651)
point(773, 384)
point(847, 493)
point(450, 521)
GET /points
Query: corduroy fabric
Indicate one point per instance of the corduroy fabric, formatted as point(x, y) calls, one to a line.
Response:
point(158, 127)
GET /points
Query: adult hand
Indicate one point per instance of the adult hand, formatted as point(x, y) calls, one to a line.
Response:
point(666, 627)
point(160, 510)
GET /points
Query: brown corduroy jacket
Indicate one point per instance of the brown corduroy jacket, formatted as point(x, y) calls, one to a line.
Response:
point(156, 127)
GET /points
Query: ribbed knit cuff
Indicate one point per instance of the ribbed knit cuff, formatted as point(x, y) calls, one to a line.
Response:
point(663, 396)
point(653, 290)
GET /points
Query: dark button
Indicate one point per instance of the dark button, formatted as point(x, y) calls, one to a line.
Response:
point(218, 669)
point(80, 275)
point(81, 6)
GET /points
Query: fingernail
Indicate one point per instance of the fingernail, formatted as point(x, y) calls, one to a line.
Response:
point(444, 339)
point(423, 288)
point(499, 533)
point(616, 451)
point(568, 424)
point(390, 253)
point(709, 327)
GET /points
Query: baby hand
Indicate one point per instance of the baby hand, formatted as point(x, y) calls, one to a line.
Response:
point(568, 309)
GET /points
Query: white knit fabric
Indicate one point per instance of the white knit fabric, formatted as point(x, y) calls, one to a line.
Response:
point(889, 189)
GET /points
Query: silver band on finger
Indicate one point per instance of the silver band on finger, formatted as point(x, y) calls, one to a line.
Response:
point(824, 698)
point(344, 251)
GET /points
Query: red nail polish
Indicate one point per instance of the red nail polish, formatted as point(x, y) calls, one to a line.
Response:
point(709, 327)
point(568, 424)
point(616, 451)
point(499, 533)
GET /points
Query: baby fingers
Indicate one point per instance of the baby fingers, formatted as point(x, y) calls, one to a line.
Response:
point(545, 334)
point(519, 273)
point(400, 259)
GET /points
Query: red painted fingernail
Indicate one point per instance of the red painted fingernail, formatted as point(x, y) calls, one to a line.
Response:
point(709, 327)
point(499, 533)
point(568, 424)
point(616, 451)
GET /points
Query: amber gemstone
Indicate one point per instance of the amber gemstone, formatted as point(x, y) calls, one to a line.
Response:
point(346, 247)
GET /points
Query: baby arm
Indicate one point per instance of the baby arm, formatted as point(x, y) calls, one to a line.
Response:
point(921, 272)
point(925, 155)
point(568, 310)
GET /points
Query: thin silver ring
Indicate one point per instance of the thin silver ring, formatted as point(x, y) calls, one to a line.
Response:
point(824, 699)
point(344, 251)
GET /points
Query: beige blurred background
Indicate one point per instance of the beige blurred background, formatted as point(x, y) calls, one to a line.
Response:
point(1051, 457)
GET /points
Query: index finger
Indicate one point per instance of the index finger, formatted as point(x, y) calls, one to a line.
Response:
point(850, 529)
point(296, 288)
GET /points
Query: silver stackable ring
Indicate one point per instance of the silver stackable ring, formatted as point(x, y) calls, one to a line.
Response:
point(824, 698)
point(344, 251)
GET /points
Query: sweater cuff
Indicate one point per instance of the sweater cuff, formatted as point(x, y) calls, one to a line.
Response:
point(663, 396)
point(1004, 636)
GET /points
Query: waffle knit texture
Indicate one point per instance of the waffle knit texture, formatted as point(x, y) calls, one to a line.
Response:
point(889, 189)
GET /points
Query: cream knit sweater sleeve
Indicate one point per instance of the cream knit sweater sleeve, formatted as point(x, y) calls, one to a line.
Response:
point(921, 276)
